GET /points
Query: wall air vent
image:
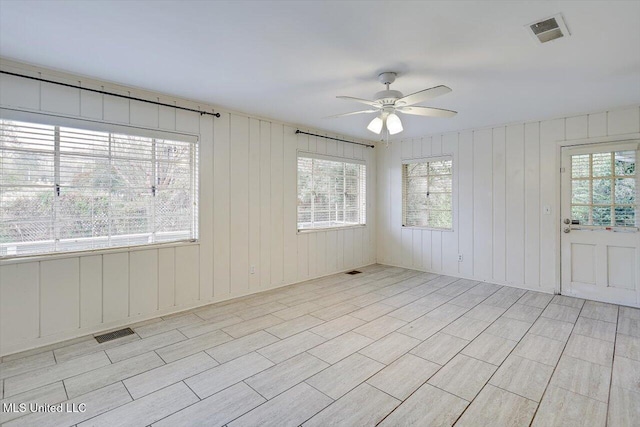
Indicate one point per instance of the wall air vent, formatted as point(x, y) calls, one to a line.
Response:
point(548, 29)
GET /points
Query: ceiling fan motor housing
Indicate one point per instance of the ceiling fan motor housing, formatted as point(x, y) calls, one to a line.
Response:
point(388, 97)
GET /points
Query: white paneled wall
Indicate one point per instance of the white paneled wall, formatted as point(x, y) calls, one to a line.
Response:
point(504, 177)
point(247, 219)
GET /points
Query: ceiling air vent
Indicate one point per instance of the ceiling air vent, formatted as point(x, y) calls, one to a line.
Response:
point(548, 29)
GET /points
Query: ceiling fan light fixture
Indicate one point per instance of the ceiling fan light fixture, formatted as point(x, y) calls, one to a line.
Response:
point(388, 102)
point(376, 125)
point(394, 125)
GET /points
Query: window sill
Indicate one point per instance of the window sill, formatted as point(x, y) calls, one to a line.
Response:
point(340, 227)
point(417, 227)
point(76, 254)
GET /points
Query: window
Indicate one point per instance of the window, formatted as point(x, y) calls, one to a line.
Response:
point(69, 189)
point(603, 189)
point(331, 192)
point(426, 193)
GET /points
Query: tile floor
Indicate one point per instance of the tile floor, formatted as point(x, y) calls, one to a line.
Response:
point(389, 347)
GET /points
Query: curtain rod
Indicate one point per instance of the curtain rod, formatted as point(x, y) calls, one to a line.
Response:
point(335, 139)
point(110, 93)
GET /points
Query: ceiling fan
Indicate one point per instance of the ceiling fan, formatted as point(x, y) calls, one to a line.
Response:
point(389, 102)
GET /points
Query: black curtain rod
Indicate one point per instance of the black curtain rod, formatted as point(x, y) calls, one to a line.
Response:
point(110, 93)
point(335, 139)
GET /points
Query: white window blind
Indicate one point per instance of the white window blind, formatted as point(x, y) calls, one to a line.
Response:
point(331, 193)
point(68, 189)
point(427, 194)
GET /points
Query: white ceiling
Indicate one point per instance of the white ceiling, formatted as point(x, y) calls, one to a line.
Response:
point(288, 60)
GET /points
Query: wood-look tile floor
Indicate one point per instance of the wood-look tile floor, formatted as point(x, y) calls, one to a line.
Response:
point(389, 347)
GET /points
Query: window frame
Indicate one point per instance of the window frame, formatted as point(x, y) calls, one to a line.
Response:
point(587, 149)
point(428, 159)
point(62, 121)
point(319, 156)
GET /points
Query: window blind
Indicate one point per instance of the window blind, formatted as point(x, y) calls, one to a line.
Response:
point(70, 189)
point(331, 193)
point(427, 194)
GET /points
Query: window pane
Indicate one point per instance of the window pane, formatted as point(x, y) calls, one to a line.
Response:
point(625, 216)
point(27, 220)
point(83, 213)
point(173, 211)
point(351, 184)
point(131, 147)
point(26, 168)
point(581, 213)
point(330, 193)
point(625, 191)
point(77, 171)
point(580, 166)
point(417, 185)
point(602, 215)
point(440, 219)
point(171, 176)
point(130, 212)
point(580, 191)
point(74, 141)
point(304, 216)
point(322, 216)
point(427, 198)
point(601, 164)
point(417, 169)
point(440, 201)
point(417, 202)
point(352, 216)
point(26, 136)
point(26, 154)
point(417, 218)
point(601, 191)
point(625, 163)
point(351, 201)
point(439, 184)
point(440, 168)
point(131, 174)
point(351, 169)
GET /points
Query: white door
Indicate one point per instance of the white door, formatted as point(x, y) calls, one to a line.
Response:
point(600, 241)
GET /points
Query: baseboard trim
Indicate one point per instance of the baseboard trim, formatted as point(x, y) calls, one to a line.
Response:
point(462, 276)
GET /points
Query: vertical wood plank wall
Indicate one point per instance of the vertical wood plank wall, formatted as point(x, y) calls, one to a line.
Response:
point(247, 219)
point(503, 178)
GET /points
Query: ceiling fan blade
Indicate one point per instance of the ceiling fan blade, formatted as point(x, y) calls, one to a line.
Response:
point(427, 111)
point(423, 95)
point(352, 113)
point(360, 100)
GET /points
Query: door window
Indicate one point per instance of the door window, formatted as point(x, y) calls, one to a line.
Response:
point(604, 189)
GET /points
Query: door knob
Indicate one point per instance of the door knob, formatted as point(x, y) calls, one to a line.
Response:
point(567, 221)
point(567, 230)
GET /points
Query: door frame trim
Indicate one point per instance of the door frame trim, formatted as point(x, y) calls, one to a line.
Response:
point(622, 138)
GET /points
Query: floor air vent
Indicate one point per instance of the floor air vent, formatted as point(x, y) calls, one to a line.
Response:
point(109, 336)
point(354, 272)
